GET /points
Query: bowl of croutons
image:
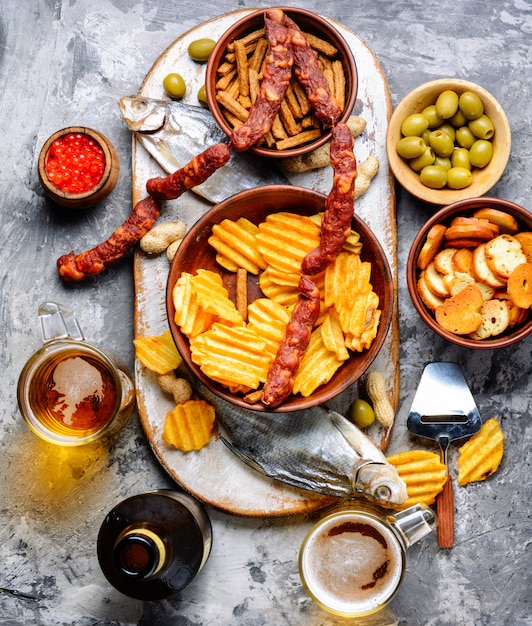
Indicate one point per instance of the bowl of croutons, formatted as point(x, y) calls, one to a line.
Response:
point(237, 300)
point(281, 100)
point(469, 273)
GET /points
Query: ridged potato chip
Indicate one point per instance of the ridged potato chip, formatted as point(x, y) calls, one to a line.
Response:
point(189, 426)
point(333, 336)
point(285, 238)
point(213, 296)
point(317, 366)
point(233, 356)
point(236, 244)
point(189, 315)
point(481, 456)
point(158, 352)
point(423, 473)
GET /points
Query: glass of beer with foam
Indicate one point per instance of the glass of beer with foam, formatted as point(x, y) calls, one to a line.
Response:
point(352, 561)
point(69, 392)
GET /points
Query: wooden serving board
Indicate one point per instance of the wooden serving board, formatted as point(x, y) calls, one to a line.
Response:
point(213, 474)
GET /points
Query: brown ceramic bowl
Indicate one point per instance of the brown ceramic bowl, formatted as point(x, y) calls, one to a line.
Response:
point(483, 179)
point(466, 208)
point(308, 22)
point(255, 204)
point(100, 190)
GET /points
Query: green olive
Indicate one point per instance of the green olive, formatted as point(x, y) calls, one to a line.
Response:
point(410, 147)
point(414, 124)
point(447, 104)
point(444, 162)
point(449, 129)
point(458, 119)
point(441, 143)
point(362, 413)
point(427, 158)
point(432, 116)
point(464, 137)
point(480, 153)
point(482, 127)
point(174, 85)
point(471, 105)
point(459, 178)
point(202, 96)
point(201, 49)
point(460, 158)
point(433, 176)
point(425, 136)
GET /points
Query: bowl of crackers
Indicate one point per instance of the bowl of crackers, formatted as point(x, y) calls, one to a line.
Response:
point(235, 75)
point(448, 140)
point(469, 273)
point(233, 285)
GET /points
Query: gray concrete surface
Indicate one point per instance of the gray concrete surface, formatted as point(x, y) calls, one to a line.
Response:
point(68, 62)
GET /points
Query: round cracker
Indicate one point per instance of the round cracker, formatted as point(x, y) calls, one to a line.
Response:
point(520, 285)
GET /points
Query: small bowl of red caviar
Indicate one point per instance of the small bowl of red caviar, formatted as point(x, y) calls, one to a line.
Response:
point(78, 167)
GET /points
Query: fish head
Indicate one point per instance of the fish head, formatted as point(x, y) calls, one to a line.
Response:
point(380, 482)
point(142, 115)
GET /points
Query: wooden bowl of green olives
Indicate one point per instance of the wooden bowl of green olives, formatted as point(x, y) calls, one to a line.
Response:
point(448, 139)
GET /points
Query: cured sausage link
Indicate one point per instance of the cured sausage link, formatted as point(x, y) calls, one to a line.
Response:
point(96, 260)
point(276, 78)
point(143, 216)
point(339, 206)
point(191, 175)
point(311, 76)
point(280, 381)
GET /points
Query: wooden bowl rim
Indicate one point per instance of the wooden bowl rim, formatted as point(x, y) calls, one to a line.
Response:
point(443, 215)
point(324, 393)
point(415, 101)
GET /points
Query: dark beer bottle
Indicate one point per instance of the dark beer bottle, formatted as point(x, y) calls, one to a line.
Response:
point(151, 545)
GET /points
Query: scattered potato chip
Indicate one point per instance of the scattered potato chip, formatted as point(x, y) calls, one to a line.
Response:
point(189, 426)
point(158, 352)
point(480, 457)
point(423, 473)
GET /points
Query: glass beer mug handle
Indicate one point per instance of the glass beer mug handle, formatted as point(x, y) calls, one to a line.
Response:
point(414, 523)
point(58, 322)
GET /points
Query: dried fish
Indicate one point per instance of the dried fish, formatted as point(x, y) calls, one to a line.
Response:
point(173, 133)
point(316, 449)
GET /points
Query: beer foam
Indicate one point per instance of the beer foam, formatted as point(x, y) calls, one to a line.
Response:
point(352, 564)
point(75, 380)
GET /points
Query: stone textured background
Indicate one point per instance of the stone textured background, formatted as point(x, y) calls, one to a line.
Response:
point(67, 62)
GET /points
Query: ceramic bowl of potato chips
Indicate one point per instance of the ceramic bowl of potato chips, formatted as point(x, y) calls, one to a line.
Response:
point(234, 74)
point(233, 284)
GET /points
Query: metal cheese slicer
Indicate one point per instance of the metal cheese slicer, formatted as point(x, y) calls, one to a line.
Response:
point(444, 410)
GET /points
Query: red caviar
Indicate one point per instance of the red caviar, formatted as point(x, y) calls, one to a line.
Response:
point(75, 163)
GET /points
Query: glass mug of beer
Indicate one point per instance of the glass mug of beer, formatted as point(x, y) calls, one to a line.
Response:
point(69, 392)
point(352, 561)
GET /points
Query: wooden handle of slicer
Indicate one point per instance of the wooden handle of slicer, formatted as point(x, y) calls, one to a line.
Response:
point(445, 513)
